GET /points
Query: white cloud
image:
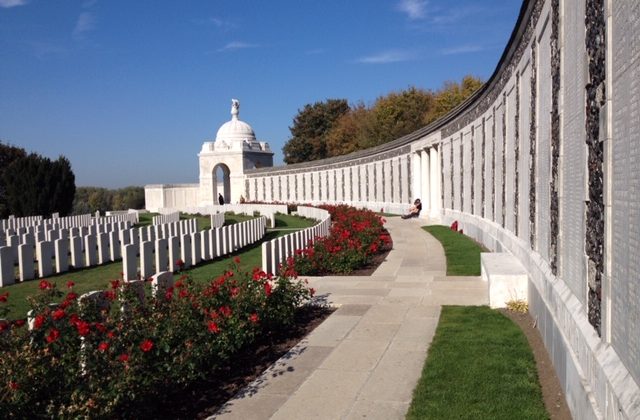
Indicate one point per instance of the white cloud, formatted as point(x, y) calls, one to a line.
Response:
point(222, 24)
point(12, 3)
point(237, 45)
point(415, 9)
point(462, 49)
point(385, 57)
point(85, 23)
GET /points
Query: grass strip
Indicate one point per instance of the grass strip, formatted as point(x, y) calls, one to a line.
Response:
point(462, 252)
point(479, 366)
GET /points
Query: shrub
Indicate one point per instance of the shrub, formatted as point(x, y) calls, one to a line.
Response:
point(355, 236)
point(83, 361)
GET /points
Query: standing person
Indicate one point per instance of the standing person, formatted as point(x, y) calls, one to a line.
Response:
point(220, 199)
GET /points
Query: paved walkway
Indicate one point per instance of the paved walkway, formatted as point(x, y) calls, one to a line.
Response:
point(365, 359)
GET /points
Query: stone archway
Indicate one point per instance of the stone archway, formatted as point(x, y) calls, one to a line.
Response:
point(221, 182)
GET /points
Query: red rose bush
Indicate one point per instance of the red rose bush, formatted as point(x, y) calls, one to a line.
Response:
point(105, 357)
point(356, 235)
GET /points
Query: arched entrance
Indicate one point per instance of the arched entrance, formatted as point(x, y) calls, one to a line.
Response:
point(221, 182)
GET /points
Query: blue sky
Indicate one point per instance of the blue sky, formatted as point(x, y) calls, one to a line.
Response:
point(129, 90)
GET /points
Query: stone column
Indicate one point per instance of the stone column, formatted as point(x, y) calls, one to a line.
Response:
point(434, 179)
point(425, 194)
point(416, 179)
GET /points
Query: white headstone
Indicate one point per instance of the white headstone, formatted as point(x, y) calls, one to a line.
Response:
point(62, 255)
point(7, 273)
point(162, 260)
point(146, 259)
point(160, 283)
point(90, 251)
point(185, 250)
point(196, 257)
point(174, 253)
point(44, 254)
point(266, 257)
point(114, 245)
point(124, 236)
point(12, 242)
point(76, 252)
point(103, 248)
point(52, 235)
point(204, 245)
point(129, 262)
point(25, 262)
point(213, 244)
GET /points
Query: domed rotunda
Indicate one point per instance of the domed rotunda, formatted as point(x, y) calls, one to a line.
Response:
point(224, 161)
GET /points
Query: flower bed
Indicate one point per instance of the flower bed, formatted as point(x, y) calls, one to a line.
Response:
point(84, 360)
point(356, 235)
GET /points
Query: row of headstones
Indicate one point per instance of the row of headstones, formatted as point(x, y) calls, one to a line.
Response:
point(16, 222)
point(165, 218)
point(191, 248)
point(217, 220)
point(66, 222)
point(132, 218)
point(75, 247)
point(53, 231)
point(88, 246)
point(276, 251)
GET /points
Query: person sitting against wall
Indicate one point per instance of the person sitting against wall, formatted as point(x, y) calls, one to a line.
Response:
point(414, 211)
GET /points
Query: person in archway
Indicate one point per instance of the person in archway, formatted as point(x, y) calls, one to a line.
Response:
point(414, 211)
point(220, 199)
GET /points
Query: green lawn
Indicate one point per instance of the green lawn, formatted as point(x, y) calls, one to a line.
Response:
point(462, 252)
point(287, 221)
point(479, 366)
point(97, 278)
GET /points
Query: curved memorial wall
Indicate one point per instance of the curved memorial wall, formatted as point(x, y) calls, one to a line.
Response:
point(542, 163)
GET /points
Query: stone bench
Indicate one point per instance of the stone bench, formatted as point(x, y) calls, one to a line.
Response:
point(506, 276)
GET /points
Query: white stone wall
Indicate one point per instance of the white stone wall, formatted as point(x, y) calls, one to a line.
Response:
point(171, 195)
point(624, 187)
point(574, 186)
point(525, 148)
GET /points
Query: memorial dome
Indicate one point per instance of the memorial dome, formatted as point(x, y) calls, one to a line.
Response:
point(235, 130)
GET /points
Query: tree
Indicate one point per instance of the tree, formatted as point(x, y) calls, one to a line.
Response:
point(8, 154)
point(35, 185)
point(92, 199)
point(331, 128)
point(452, 95)
point(310, 128)
point(349, 132)
point(398, 114)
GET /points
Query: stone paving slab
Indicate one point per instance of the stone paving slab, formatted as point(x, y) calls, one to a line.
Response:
point(365, 359)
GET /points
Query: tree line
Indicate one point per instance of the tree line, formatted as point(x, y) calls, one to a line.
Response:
point(334, 128)
point(92, 199)
point(31, 184)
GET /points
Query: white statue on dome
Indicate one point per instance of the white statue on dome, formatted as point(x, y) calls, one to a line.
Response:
point(235, 108)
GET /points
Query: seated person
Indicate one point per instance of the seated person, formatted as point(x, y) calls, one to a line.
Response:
point(414, 211)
